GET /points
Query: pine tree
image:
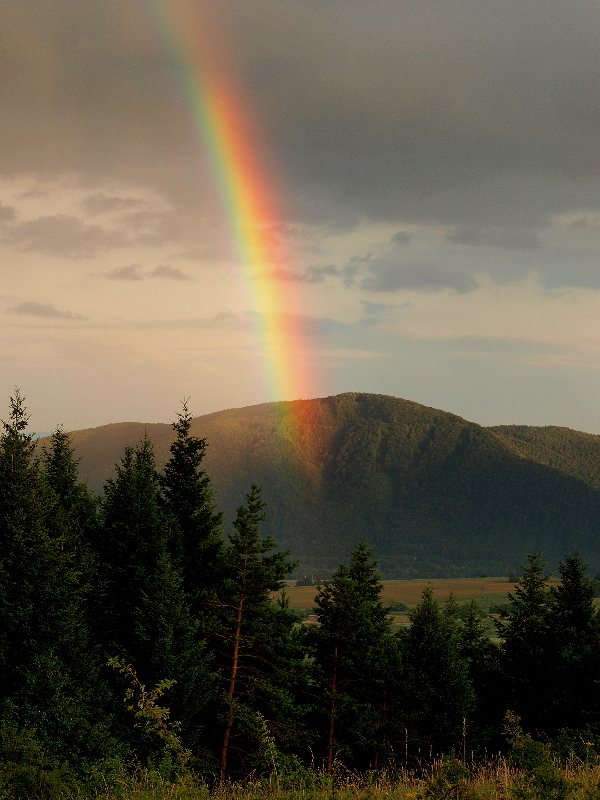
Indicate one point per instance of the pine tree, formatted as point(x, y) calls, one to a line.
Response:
point(43, 638)
point(485, 674)
point(141, 606)
point(437, 693)
point(196, 538)
point(257, 649)
point(349, 648)
point(525, 631)
point(573, 656)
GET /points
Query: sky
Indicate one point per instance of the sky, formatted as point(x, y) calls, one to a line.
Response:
point(435, 171)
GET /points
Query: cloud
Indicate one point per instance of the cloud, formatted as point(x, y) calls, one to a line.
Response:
point(99, 203)
point(129, 273)
point(7, 213)
point(387, 275)
point(310, 275)
point(490, 236)
point(402, 237)
point(64, 236)
point(133, 272)
point(376, 313)
point(168, 272)
point(46, 310)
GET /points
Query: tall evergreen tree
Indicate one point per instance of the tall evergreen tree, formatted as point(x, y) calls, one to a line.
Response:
point(196, 538)
point(573, 655)
point(437, 693)
point(142, 609)
point(349, 648)
point(257, 651)
point(43, 637)
point(525, 631)
point(487, 679)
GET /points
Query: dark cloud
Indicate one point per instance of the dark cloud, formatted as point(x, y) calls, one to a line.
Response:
point(129, 273)
point(170, 273)
point(7, 213)
point(63, 235)
point(402, 237)
point(374, 313)
point(482, 236)
point(43, 310)
point(102, 204)
point(470, 114)
point(311, 274)
point(387, 275)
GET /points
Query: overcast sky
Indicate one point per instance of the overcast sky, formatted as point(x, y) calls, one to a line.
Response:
point(435, 163)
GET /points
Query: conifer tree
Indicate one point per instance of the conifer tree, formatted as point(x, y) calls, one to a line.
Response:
point(143, 615)
point(487, 679)
point(437, 693)
point(196, 537)
point(573, 655)
point(43, 639)
point(257, 651)
point(525, 631)
point(349, 648)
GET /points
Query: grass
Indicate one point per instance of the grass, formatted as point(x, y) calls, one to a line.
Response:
point(487, 592)
point(447, 779)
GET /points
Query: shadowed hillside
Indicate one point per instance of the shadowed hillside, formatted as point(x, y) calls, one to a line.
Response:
point(434, 494)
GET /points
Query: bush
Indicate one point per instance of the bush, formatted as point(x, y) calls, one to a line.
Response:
point(26, 771)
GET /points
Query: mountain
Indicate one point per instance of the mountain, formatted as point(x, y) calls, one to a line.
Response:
point(434, 494)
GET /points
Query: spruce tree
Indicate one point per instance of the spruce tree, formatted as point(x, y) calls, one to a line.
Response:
point(196, 537)
point(525, 631)
point(437, 693)
point(258, 653)
point(141, 605)
point(43, 638)
point(484, 671)
point(349, 650)
point(573, 656)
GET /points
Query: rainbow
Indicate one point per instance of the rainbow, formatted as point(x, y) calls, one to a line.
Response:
point(190, 32)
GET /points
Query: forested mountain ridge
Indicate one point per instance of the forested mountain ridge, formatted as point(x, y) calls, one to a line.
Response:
point(573, 452)
point(434, 494)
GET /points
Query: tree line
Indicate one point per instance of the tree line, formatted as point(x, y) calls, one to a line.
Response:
point(139, 594)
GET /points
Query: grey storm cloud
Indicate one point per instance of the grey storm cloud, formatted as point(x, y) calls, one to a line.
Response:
point(402, 238)
point(99, 203)
point(388, 275)
point(167, 272)
point(482, 236)
point(7, 213)
point(63, 235)
point(469, 114)
point(311, 274)
point(46, 310)
point(131, 272)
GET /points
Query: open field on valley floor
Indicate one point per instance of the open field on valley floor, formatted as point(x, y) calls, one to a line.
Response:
point(488, 592)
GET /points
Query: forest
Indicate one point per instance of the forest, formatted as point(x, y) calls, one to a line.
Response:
point(140, 642)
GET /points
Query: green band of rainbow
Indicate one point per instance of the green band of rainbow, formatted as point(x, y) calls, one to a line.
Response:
point(191, 35)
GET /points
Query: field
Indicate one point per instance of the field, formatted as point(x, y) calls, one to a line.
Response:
point(486, 591)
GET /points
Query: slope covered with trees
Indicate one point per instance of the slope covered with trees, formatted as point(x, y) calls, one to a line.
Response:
point(113, 607)
point(433, 494)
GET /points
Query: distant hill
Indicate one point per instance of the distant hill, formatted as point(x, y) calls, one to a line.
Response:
point(436, 495)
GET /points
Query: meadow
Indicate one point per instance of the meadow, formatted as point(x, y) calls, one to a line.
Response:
point(488, 592)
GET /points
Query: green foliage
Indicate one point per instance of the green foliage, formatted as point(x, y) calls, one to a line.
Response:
point(149, 715)
point(26, 770)
point(351, 659)
point(539, 777)
point(196, 537)
point(437, 693)
point(525, 631)
point(259, 652)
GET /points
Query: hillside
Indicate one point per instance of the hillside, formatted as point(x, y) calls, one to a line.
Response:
point(436, 495)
